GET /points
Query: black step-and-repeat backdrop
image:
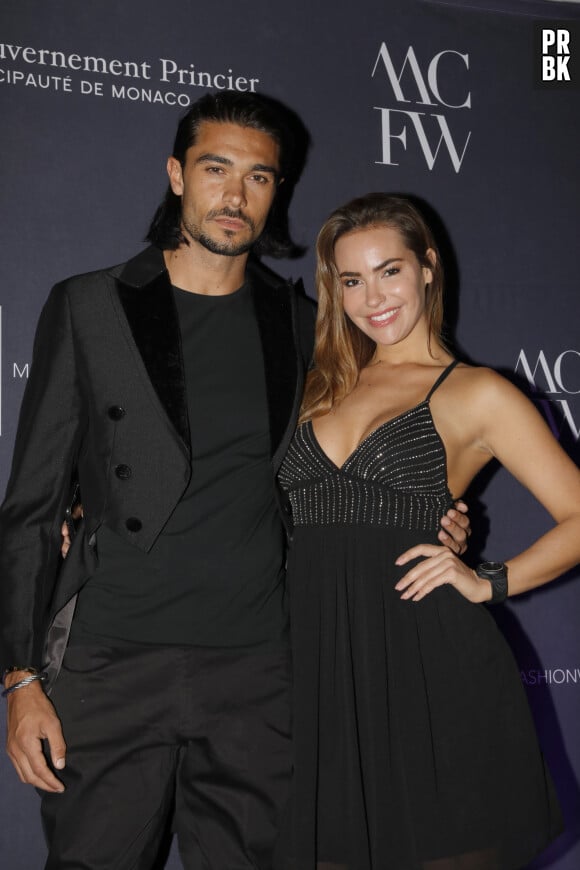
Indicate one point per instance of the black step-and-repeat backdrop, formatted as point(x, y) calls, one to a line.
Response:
point(444, 100)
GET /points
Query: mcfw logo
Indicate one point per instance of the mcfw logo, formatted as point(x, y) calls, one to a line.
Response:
point(552, 385)
point(426, 127)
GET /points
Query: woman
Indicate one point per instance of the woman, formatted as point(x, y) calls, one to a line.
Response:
point(415, 749)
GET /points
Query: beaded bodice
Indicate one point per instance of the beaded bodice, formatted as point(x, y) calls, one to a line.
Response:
point(397, 476)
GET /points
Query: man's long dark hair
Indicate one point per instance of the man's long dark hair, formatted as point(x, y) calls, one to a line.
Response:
point(247, 110)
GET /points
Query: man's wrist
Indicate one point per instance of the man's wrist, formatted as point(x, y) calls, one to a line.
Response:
point(15, 673)
point(16, 685)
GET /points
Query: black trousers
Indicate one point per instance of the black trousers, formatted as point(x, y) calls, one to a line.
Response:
point(194, 737)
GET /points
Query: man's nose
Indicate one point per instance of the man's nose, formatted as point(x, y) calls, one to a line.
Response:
point(234, 191)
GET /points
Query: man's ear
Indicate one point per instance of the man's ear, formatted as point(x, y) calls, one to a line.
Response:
point(175, 174)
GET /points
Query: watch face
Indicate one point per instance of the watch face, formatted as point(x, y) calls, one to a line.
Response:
point(492, 566)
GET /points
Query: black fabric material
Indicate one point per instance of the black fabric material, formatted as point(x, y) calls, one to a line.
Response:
point(274, 315)
point(151, 313)
point(215, 575)
point(196, 739)
point(85, 361)
point(414, 745)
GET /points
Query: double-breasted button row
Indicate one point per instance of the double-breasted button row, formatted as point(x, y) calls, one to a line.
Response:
point(122, 471)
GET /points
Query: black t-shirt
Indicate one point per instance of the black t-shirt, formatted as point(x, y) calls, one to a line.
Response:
point(215, 575)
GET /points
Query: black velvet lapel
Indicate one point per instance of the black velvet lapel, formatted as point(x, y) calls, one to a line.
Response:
point(146, 296)
point(145, 293)
point(274, 315)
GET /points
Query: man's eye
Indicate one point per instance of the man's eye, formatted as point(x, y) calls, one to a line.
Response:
point(261, 179)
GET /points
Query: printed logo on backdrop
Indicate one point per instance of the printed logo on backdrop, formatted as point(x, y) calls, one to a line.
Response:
point(18, 372)
point(553, 384)
point(557, 55)
point(551, 677)
point(164, 81)
point(426, 101)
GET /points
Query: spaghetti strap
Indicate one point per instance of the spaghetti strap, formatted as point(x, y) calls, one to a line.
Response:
point(441, 378)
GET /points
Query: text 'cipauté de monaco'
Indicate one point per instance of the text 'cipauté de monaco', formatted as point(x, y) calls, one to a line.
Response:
point(168, 71)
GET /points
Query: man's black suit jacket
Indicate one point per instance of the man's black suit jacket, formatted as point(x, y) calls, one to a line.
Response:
point(106, 404)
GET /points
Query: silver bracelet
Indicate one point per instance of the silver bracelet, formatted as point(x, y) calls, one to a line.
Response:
point(24, 682)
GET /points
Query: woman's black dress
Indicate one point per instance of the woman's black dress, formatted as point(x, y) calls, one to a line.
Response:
point(414, 744)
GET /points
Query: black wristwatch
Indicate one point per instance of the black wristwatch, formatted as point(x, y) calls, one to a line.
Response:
point(496, 573)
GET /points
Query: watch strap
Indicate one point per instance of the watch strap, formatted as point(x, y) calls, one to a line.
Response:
point(496, 573)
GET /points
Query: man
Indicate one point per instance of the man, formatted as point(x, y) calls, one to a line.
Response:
point(169, 387)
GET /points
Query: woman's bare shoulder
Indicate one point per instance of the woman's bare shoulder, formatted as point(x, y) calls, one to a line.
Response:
point(481, 382)
point(484, 395)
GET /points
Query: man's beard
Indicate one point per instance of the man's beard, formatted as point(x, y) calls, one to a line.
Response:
point(225, 248)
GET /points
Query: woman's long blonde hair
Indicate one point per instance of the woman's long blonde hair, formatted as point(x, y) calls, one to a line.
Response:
point(341, 350)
